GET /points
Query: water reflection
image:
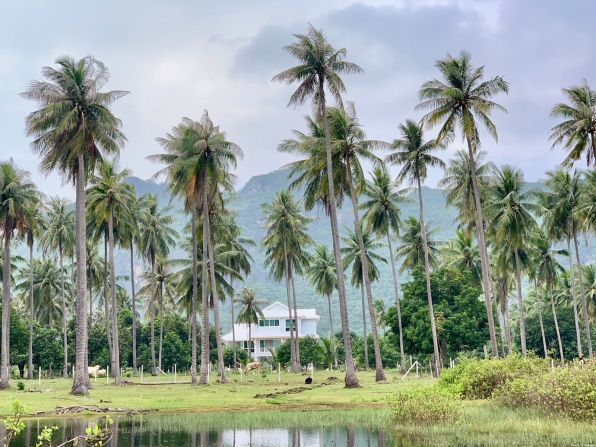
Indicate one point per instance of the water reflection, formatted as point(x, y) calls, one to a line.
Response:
point(149, 431)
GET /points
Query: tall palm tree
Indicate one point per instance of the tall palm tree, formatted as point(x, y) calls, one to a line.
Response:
point(285, 245)
point(577, 131)
point(321, 273)
point(461, 253)
point(560, 207)
point(512, 222)
point(58, 237)
point(502, 283)
point(33, 228)
point(586, 208)
point(321, 65)
point(351, 257)
point(250, 312)
point(415, 155)
point(534, 305)
point(156, 239)
point(460, 100)
point(16, 193)
point(411, 248)
point(382, 217)
point(109, 197)
point(547, 270)
point(73, 128)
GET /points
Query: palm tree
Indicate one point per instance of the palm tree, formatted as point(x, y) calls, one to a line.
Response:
point(351, 257)
point(577, 131)
point(461, 100)
point(58, 237)
point(589, 279)
point(74, 128)
point(109, 197)
point(95, 273)
point(411, 247)
point(502, 282)
point(560, 207)
point(321, 273)
point(586, 208)
point(534, 304)
point(320, 66)
point(250, 312)
point(547, 270)
point(416, 155)
point(461, 253)
point(16, 193)
point(382, 216)
point(512, 223)
point(156, 237)
point(285, 245)
point(33, 228)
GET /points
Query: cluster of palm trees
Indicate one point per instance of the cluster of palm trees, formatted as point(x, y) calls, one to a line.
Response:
point(506, 232)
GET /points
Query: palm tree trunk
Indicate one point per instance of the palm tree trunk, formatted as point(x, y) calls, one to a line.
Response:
point(134, 309)
point(205, 282)
point(106, 302)
point(584, 302)
point(433, 325)
point(295, 365)
point(115, 338)
point(249, 345)
point(215, 293)
point(332, 332)
point(235, 358)
point(31, 315)
point(379, 372)
point(402, 355)
point(522, 313)
point(152, 304)
point(5, 373)
point(81, 382)
point(539, 309)
point(484, 263)
point(508, 330)
point(364, 331)
point(193, 316)
point(555, 319)
point(297, 322)
point(161, 318)
point(63, 300)
point(351, 379)
point(574, 300)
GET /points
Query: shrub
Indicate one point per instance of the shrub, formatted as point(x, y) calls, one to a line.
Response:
point(478, 379)
point(570, 392)
point(21, 386)
point(424, 405)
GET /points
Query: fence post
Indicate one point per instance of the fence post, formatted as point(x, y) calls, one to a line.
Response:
point(417, 372)
point(107, 374)
point(39, 379)
point(278, 372)
point(142, 366)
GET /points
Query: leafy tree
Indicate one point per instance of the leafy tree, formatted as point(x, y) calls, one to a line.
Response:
point(320, 65)
point(73, 128)
point(250, 312)
point(462, 99)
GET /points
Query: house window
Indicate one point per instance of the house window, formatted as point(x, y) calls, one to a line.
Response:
point(268, 323)
point(245, 346)
point(290, 323)
point(268, 344)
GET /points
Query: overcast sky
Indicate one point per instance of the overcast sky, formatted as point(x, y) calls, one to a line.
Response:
point(180, 57)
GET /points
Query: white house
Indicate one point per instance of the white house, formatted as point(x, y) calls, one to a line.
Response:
point(273, 329)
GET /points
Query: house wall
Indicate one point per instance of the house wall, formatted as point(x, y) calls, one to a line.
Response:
point(307, 327)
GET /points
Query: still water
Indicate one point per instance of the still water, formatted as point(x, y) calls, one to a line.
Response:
point(187, 430)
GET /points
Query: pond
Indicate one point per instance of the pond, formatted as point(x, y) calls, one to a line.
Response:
point(198, 430)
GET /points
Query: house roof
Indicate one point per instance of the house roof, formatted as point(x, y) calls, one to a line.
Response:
point(280, 310)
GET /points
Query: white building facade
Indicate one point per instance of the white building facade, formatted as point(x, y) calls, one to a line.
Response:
point(273, 329)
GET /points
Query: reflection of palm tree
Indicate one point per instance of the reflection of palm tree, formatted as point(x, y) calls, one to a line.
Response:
point(250, 312)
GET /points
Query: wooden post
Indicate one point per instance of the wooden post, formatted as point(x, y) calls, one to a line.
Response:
point(39, 379)
point(278, 372)
point(208, 372)
point(175, 374)
point(142, 366)
point(107, 374)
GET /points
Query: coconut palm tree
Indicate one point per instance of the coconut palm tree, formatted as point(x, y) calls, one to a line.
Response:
point(415, 155)
point(589, 279)
point(461, 253)
point(586, 208)
point(156, 239)
point(351, 258)
point(109, 197)
point(285, 245)
point(16, 194)
point(250, 312)
point(58, 237)
point(321, 65)
point(411, 247)
point(577, 130)
point(545, 260)
point(321, 274)
point(33, 228)
point(461, 100)
point(502, 283)
point(73, 128)
point(560, 206)
point(95, 272)
point(382, 217)
point(511, 211)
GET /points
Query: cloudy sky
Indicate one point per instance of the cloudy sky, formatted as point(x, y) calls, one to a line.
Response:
point(180, 57)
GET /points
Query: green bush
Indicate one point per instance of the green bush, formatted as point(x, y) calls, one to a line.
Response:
point(570, 392)
point(479, 379)
point(423, 405)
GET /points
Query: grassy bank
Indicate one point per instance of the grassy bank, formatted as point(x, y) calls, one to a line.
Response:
point(238, 395)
